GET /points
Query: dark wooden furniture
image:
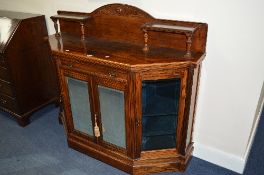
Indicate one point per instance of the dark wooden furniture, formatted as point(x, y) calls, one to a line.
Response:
point(27, 73)
point(125, 105)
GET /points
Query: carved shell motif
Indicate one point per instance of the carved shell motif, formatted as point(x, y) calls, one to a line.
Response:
point(121, 10)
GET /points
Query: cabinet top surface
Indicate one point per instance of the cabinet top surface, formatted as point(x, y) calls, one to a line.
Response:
point(119, 53)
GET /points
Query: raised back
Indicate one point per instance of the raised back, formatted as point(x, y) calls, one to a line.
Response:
point(123, 23)
point(121, 10)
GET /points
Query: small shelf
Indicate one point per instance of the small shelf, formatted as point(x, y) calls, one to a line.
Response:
point(158, 126)
point(160, 106)
point(170, 28)
point(72, 18)
point(158, 142)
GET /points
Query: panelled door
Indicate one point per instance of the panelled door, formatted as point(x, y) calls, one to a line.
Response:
point(110, 109)
point(95, 107)
point(78, 108)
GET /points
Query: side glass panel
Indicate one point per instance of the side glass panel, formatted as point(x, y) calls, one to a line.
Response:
point(80, 105)
point(160, 100)
point(112, 108)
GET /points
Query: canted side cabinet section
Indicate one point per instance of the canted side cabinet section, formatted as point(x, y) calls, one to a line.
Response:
point(164, 99)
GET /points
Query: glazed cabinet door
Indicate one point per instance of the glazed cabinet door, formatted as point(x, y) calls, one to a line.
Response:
point(110, 110)
point(160, 104)
point(162, 112)
point(79, 97)
point(78, 103)
point(112, 113)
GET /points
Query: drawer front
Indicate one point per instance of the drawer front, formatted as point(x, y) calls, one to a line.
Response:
point(98, 70)
point(6, 88)
point(2, 61)
point(8, 102)
point(4, 74)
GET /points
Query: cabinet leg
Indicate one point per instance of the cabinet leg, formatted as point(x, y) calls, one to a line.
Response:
point(60, 119)
point(57, 102)
point(23, 121)
point(60, 105)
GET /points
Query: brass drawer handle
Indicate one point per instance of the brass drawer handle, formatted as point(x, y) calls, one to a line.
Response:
point(112, 74)
point(69, 65)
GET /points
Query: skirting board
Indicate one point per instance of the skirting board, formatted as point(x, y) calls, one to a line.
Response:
point(259, 109)
point(219, 158)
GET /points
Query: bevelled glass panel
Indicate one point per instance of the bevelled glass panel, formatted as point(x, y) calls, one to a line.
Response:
point(80, 105)
point(160, 100)
point(112, 115)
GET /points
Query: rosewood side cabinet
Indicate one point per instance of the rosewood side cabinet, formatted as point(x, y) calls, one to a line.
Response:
point(129, 85)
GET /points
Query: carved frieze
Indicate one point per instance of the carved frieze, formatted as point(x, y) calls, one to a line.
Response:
point(121, 10)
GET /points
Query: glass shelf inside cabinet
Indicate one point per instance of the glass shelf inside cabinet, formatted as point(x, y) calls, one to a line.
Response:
point(160, 100)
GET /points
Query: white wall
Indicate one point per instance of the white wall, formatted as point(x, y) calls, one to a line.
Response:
point(232, 74)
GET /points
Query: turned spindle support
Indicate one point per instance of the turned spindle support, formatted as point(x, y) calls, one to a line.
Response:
point(73, 18)
point(58, 42)
point(56, 26)
point(145, 48)
point(82, 30)
point(84, 45)
point(188, 45)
